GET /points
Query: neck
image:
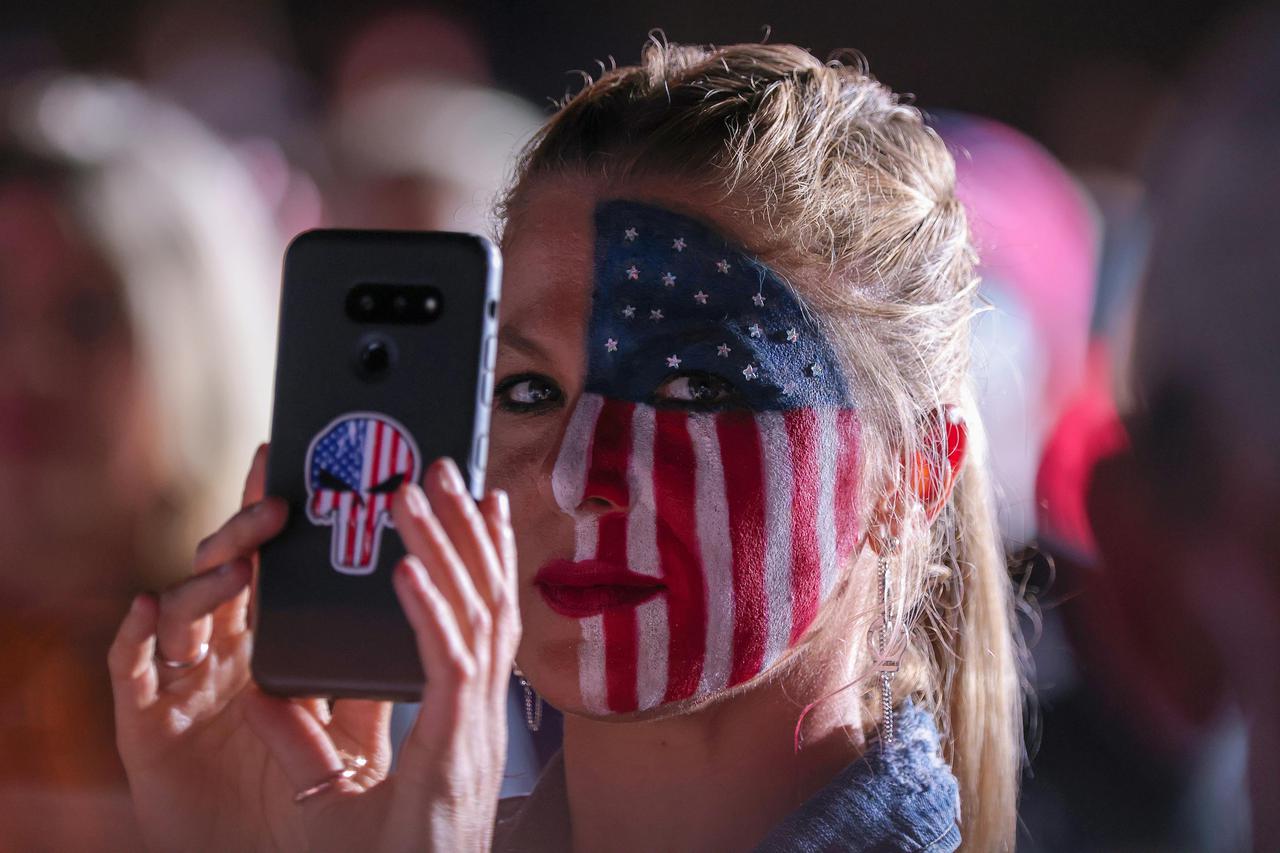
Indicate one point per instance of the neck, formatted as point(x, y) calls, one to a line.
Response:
point(719, 778)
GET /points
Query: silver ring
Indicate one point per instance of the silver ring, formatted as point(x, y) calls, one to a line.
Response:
point(353, 765)
point(183, 664)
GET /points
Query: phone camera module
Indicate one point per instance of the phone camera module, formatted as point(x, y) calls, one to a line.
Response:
point(374, 358)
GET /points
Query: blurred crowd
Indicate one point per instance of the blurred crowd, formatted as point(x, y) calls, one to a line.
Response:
point(1126, 366)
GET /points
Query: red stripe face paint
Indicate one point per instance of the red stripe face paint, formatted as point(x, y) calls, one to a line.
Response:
point(710, 466)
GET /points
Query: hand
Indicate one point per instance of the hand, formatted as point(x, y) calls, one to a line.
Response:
point(457, 587)
point(214, 763)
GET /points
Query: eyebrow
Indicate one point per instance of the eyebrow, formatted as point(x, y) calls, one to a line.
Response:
point(511, 337)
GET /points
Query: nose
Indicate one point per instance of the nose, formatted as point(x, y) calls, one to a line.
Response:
point(589, 476)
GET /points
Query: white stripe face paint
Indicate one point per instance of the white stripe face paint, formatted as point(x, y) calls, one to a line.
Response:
point(569, 477)
point(569, 485)
point(591, 677)
point(652, 635)
point(653, 641)
point(828, 437)
point(717, 553)
point(776, 449)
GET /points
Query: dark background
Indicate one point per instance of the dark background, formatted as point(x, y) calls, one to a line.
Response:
point(1079, 76)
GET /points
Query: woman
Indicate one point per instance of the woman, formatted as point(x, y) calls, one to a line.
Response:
point(133, 306)
point(729, 417)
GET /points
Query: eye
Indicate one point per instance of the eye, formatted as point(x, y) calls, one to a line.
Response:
point(388, 485)
point(697, 390)
point(528, 392)
point(332, 481)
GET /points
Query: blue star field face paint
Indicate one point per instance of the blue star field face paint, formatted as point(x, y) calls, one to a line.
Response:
point(710, 466)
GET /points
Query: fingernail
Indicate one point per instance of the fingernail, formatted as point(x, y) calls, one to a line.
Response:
point(449, 477)
point(504, 504)
point(225, 568)
point(416, 500)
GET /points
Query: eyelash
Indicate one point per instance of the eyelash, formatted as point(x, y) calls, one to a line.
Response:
point(555, 400)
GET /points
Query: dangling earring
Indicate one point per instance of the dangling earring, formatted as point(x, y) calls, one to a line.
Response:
point(888, 664)
point(532, 703)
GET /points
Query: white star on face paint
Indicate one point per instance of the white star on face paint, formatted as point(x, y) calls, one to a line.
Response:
point(758, 299)
point(792, 336)
point(755, 330)
point(629, 311)
point(655, 314)
point(673, 361)
point(723, 350)
point(700, 298)
point(678, 244)
point(611, 345)
point(630, 234)
point(669, 279)
point(749, 372)
point(723, 266)
point(815, 369)
point(632, 273)
point(789, 388)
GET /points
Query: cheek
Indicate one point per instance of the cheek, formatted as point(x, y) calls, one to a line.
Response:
point(747, 519)
point(774, 542)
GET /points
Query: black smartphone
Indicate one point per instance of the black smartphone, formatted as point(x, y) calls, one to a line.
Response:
point(384, 364)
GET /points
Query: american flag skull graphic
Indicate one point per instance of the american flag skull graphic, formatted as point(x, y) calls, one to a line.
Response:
point(354, 466)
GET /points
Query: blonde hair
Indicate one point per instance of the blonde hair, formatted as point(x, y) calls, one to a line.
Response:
point(176, 216)
point(854, 198)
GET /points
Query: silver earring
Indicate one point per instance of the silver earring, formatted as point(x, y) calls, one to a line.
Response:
point(888, 664)
point(532, 703)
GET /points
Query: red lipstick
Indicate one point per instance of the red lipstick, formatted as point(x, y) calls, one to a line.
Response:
point(590, 587)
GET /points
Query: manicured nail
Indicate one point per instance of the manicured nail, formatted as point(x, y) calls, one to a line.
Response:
point(449, 477)
point(416, 499)
point(504, 504)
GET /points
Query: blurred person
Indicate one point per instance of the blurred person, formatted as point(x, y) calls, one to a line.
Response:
point(425, 153)
point(1037, 239)
point(135, 330)
point(1184, 515)
point(232, 66)
point(409, 42)
point(739, 272)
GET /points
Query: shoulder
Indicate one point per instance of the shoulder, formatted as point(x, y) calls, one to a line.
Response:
point(896, 797)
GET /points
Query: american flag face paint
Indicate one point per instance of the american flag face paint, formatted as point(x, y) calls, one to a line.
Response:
point(710, 467)
point(354, 466)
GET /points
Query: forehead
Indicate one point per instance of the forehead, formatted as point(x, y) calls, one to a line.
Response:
point(650, 285)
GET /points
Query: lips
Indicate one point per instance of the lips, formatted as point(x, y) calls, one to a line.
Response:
point(591, 587)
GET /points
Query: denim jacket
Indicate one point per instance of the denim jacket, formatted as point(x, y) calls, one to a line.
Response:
point(890, 800)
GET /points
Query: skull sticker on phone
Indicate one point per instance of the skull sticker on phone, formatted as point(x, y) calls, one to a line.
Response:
point(354, 467)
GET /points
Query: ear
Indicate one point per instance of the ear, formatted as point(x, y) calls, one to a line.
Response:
point(931, 474)
point(945, 441)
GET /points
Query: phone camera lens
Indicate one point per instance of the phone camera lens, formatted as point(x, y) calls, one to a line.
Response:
point(367, 303)
point(375, 358)
point(399, 304)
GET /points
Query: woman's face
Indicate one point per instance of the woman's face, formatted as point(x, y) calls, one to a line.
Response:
point(680, 447)
point(73, 418)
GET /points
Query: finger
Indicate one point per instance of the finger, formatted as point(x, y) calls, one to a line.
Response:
point(465, 528)
point(255, 484)
point(425, 538)
point(363, 727)
point(243, 534)
point(446, 661)
point(184, 622)
point(496, 511)
point(233, 617)
point(131, 658)
point(297, 740)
